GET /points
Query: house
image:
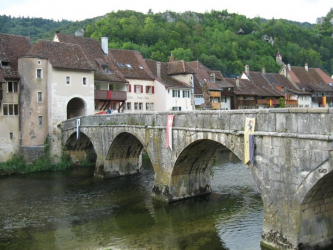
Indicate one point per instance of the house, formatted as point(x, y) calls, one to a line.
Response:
point(109, 84)
point(293, 96)
point(221, 91)
point(268, 95)
point(57, 83)
point(173, 92)
point(11, 48)
point(140, 88)
point(312, 80)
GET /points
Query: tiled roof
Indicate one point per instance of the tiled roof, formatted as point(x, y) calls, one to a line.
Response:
point(61, 55)
point(246, 87)
point(130, 64)
point(203, 74)
point(104, 68)
point(312, 80)
point(179, 67)
point(261, 83)
point(167, 80)
point(282, 82)
point(11, 48)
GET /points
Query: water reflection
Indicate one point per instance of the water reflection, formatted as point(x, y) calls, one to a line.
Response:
point(73, 210)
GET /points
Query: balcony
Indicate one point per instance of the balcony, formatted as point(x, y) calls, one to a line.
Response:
point(215, 94)
point(266, 101)
point(227, 93)
point(110, 95)
point(216, 105)
point(292, 102)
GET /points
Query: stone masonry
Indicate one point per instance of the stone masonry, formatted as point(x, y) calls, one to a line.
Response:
point(292, 169)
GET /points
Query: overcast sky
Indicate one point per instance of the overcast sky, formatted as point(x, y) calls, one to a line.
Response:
point(77, 10)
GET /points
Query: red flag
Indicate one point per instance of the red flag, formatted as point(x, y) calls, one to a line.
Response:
point(169, 131)
point(109, 94)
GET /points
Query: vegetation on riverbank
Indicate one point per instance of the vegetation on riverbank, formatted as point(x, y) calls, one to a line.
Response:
point(17, 165)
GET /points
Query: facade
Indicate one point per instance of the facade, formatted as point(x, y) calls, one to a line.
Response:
point(11, 48)
point(109, 84)
point(140, 88)
point(171, 94)
point(57, 83)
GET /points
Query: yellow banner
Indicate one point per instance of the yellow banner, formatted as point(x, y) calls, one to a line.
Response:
point(249, 130)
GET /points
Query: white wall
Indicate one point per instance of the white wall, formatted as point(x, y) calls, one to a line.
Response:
point(143, 98)
point(306, 101)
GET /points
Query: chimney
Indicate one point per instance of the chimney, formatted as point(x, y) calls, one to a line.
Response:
point(289, 67)
point(306, 67)
point(212, 77)
point(237, 81)
point(105, 45)
point(247, 69)
point(285, 71)
point(158, 69)
point(263, 71)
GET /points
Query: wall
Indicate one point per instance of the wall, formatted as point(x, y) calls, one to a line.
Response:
point(143, 98)
point(9, 124)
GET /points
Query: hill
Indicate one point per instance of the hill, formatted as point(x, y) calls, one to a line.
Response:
point(220, 40)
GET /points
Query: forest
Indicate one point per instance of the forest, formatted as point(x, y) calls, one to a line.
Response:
point(220, 40)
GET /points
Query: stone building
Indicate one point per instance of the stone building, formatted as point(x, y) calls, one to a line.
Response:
point(11, 48)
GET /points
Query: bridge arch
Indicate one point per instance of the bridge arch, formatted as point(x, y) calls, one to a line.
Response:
point(81, 150)
point(191, 174)
point(76, 107)
point(316, 207)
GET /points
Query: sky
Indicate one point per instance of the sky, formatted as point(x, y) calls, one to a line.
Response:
point(77, 10)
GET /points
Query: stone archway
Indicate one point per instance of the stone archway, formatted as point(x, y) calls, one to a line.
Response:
point(76, 107)
point(191, 174)
point(80, 150)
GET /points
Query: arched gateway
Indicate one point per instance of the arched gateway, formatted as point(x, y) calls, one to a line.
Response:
point(292, 167)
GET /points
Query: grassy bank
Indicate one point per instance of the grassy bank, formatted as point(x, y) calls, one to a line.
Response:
point(17, 165)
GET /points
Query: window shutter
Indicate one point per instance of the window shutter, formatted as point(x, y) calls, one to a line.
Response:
point(146, 89)
point(141, 88)
point(152, 89)
point(129, 88)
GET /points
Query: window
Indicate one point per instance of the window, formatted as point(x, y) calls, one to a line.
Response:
point(10, 109)
point(39, 62)
point(40, 120)
point(110, 87)
point(39, 74)
point(68, 80)
point(128, 65)
point(176, 108)
point(39, 96)
point(12, 87)
point(140, 67)
point(150, 89)
point(11, 135)
point(120, 65)
point(149, 106)
point(138, 106)
point(175, 93)
point(129, 106)
point(84, 80)
point(186, 94)
point(5, 64)
point(138, 89)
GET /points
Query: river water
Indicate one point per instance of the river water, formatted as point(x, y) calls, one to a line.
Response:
point(73, 210)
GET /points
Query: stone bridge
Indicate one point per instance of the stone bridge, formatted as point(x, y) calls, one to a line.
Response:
point(292, 167)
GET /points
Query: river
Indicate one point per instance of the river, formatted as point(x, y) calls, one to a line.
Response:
point(73, 210)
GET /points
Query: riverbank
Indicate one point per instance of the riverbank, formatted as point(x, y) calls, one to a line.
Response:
point(17, 165)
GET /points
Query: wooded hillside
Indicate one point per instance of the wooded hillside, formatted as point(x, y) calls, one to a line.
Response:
point(220, 40)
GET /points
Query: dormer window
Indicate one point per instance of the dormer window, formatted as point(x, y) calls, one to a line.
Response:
point(106, 69)
point(128, 65)
point(120, 65)
point(5, 64)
